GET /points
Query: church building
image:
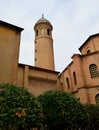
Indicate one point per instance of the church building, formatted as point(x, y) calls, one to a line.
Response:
point(80, 77)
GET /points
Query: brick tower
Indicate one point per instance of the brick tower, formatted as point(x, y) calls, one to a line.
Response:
point(44, 55)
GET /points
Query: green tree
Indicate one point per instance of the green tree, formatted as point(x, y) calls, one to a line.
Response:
point(18, 108)
point(62, 110)
point(93, 111)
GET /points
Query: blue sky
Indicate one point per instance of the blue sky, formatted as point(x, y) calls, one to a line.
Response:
point(73, 22)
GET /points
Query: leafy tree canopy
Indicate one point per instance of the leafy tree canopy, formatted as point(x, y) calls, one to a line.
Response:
point(62, 110)
point(93, 111)
point(18, 108)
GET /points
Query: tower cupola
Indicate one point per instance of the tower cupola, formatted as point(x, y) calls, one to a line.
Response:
point(43, 20)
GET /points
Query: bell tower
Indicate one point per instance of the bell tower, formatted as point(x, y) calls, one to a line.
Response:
point(44, 54)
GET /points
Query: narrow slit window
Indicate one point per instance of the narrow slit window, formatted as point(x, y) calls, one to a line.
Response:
point(74, 77)
point(67, 81)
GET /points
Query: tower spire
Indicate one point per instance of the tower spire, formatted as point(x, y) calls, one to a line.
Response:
point(43, 16)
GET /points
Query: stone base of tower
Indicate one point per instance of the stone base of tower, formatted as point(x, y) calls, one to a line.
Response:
point(37, 80)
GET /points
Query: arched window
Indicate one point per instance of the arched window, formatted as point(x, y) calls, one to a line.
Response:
point(48, 31)
point(36, 32)
point(93, 71)
point(74, 77)
point(97, 99)
point(67, 81)
point(88, 51)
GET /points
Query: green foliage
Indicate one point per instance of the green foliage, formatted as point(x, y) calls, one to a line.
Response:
point(62, 110)
point(18, 108)
point(93, 111)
